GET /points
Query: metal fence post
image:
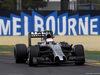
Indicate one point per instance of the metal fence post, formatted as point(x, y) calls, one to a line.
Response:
point(19, 5)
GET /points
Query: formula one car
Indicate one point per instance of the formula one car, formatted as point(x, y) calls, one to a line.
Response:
point(48, 51)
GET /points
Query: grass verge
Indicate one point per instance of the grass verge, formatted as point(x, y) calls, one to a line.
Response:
point(6, 46)
point(92, 52)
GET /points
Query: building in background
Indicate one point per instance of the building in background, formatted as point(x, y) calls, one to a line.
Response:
point(61, 5)
point(50, 4)
point(72, 5)
point(58, 5)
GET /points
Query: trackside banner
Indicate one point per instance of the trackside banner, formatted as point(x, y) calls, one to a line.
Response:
point(19, 23)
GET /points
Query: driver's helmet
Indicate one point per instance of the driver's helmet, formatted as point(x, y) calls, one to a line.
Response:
point(49, 38)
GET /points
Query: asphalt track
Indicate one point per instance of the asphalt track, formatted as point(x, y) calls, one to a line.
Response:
point(9, 67)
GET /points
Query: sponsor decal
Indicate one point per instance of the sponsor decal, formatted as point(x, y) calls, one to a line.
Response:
point(60, 25)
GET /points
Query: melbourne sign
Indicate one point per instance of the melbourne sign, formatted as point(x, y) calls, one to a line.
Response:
point(60, 24)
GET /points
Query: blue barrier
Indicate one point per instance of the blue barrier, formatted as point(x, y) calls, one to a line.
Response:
point(65, 23)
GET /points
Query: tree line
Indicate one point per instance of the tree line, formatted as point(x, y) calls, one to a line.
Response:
point(25, 4)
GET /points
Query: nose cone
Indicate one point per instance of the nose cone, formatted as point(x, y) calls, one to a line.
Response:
point(60, 59)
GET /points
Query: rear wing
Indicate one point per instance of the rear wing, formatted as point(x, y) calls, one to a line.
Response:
point(37, 34)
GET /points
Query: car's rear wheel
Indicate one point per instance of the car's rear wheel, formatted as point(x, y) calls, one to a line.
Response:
point(79, 52)
point(32, 56)
point(20, 53)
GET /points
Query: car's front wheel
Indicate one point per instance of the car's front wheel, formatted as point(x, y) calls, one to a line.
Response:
point(79, 53)
point(32, 55)
point(20, 53)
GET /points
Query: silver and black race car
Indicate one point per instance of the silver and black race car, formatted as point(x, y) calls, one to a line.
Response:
point(48, 51)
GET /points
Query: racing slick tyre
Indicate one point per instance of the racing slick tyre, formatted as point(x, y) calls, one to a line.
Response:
point(20, 53)
point(32, 56)
point(79, 52)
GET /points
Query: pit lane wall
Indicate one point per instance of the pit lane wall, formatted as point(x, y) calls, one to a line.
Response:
point(19, 23)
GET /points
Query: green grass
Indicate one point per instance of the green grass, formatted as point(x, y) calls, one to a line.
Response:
point(6, 46)
point(92, 52)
